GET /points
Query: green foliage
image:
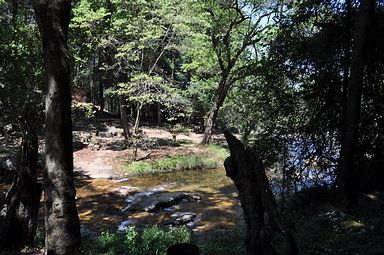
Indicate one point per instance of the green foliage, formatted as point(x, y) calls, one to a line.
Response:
point(212, 157)
point(83, 111)
point(39, 239)
point(156, 241)
point(152, 240)
point(21, 75)
point(110, 244)
point(232, 242)
point(6, 150)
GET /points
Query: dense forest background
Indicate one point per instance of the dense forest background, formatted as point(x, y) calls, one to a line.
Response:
point(301, 82)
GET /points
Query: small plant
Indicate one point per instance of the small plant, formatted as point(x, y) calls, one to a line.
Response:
point(39, 239)
point(155, 240)
point(110, 243)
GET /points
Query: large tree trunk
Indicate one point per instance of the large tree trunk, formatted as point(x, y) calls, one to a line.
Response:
point(218, 101)
point(259, 206)
point(61, 219)
point(348, 174)
point(18, 228)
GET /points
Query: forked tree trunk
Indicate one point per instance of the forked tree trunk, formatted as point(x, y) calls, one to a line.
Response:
point(348, 174)
point(18, 228)
point(258, 203)
point(62, 226)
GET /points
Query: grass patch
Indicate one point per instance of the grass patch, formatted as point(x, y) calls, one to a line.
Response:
point(152, 240)
point(156, 240)
point(228, 243)
point(211, 157)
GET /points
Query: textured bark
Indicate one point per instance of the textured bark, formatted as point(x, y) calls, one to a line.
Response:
point(18, 228)
point(348, 174)
point(61, 219)
point(259, 207)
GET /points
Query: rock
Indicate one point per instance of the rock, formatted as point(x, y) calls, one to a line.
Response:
point(196, 197)
point(7, 129)
point(123, 226)
point(125, 190)
point(106, 134)
point(182, 218)
point(121, 180)
point(157, 201)
point(8, 163)
point(96, 146)
point(78, 145)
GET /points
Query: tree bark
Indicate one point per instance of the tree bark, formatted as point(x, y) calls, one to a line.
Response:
point(139, 106)
point(101, 96)
point(260, 211)
point(124, 119)
point(158, 113)
point(218, 101)
point(18, 228)
point(348, 174)
point(61, 219)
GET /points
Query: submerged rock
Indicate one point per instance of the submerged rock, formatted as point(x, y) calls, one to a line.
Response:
point(157, 201)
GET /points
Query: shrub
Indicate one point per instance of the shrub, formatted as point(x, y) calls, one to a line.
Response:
point(152, 240)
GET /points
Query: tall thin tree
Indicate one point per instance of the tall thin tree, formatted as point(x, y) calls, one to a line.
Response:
point(348, 174)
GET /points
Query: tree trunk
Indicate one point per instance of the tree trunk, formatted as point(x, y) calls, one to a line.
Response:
point(61, 219)
point(124, 119)
point(18, 228)
point(218, 101)
point(137, 121)
point(348, 174)
point(101, 96)
point(158, 113)
point(259, 206)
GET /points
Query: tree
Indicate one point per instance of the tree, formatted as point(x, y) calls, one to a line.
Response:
point(20, 104)
point(348, 174)
point(260, 211)
point(62, 225)
point(237, 30)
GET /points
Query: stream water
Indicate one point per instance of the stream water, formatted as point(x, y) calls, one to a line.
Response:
point(216, 207)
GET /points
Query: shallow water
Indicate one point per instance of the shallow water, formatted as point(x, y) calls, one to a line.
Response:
point(217, 209)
